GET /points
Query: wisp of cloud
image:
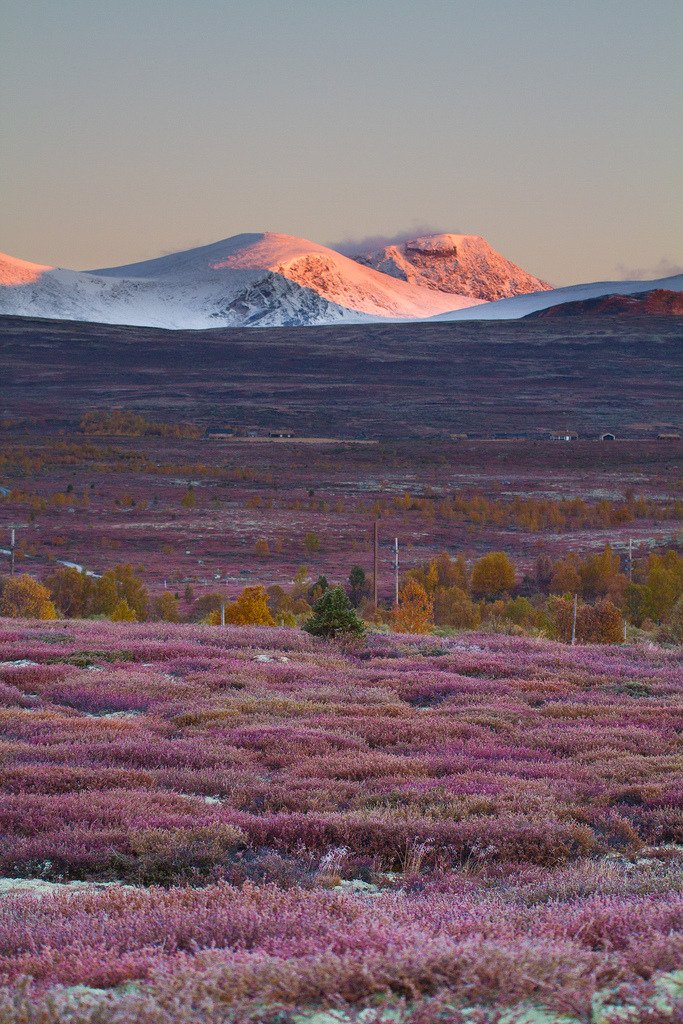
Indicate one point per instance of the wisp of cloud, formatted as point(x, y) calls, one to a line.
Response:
point(371, 243)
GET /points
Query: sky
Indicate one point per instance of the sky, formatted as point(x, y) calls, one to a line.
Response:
point(133, 128)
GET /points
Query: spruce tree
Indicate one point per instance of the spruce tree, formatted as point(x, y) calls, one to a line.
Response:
point(334, 616)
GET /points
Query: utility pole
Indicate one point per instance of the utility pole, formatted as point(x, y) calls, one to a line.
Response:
point(375, 541)
point(630, 559)
point(396, 571)
point(13, 527)
point(222, 613)
point(576, 603)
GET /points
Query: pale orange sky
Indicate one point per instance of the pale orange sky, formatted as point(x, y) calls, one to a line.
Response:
point(552, 129)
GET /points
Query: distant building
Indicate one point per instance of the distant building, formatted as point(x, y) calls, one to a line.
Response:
point(668, 436)
point(608, 436)
point(564, 435)
point(280, 433)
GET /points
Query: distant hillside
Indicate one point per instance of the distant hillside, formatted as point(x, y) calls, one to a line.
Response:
point(522, 305)
point(656, 302)
point(373, 380)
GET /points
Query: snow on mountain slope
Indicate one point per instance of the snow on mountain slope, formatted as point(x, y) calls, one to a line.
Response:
point(272, 280)
point(336, 278)
point(465, 264)
point(263, 300)
point(14, 272)
point(522, 305)
point(248, 280)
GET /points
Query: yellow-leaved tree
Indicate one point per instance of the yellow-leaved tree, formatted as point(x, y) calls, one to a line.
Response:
point(26, 598)
point(250, 609)
point(123, 612)
point(493, 575)
point(166, 608)
point(414, 611)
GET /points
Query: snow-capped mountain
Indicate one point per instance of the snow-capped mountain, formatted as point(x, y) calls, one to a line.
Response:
point(522, 305)
point(465, 264)
point(173, 301)
point(263, 280)
point(274, 280)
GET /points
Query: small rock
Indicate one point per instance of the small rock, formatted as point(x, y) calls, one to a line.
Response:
point(357, 886)
point(41, 887)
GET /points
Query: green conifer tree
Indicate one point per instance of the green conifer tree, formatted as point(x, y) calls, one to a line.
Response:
point(333, 615)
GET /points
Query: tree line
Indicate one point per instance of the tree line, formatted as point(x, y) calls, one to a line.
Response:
point(121, 423)
point(590, 598)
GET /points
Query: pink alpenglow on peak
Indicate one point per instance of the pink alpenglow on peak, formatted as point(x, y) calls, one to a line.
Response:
point(15, 272)
point(465, 264)
point(321, 270)
point(277, 280)
point(249, 280)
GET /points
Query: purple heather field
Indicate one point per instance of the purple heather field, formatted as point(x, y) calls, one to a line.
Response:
point(479, 829)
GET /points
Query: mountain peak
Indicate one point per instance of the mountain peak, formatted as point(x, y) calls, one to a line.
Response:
point(15, 272)
point(446, 262)
point(443, 242)
point(245, 259)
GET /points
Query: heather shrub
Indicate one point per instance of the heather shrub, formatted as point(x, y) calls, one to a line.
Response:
point(165, 856)
point(420, 824)
point(264, 866)
point(11, 695)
